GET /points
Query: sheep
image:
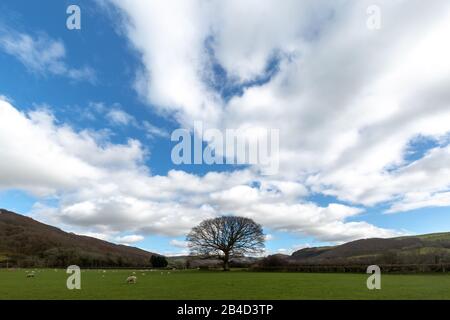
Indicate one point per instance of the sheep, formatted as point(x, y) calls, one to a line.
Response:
point(132, 279)
point(31, 274)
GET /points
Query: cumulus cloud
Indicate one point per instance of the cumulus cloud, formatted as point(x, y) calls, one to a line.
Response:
point(129, 239)
point(104, 188)
point(41, 54)
point(174, 68)
point(178, 243)
point(41, 157)
point(348, 100)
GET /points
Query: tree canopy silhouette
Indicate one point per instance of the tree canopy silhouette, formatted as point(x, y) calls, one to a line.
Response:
point(226, 237)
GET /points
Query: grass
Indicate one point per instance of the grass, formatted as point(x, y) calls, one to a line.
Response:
point(435, 236)
point(51, 284)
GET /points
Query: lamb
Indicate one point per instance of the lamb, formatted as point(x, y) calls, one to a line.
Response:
point(131, 279)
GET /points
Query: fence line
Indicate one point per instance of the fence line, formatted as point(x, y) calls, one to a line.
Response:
point(390, 268)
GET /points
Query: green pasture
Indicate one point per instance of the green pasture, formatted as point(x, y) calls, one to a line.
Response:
point(195, 284)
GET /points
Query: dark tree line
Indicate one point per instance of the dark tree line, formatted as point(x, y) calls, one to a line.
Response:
point(158, 261)
point(63, 257)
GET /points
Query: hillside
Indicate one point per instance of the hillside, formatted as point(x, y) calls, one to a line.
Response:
point(26, 242)
point(421, 249)
point(202, 262)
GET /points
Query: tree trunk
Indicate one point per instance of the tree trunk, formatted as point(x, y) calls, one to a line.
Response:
point(226, 262)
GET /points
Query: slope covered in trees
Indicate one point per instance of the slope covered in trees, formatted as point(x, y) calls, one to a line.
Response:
point(25, 242)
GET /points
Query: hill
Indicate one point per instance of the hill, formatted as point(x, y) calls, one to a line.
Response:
point(181, 262)
point(420, 249)
point(25, 242)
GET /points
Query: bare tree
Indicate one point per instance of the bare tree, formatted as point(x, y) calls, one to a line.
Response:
point(226, 237)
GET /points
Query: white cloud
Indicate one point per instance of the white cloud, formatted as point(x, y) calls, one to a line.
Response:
point(129, 239)
point(417, 200)
point(119, 117)
point(45, 159)
point(96, 235)
point(173, 70)
point(175, 253)
point(292, 249)
point(269, 237)
point(347, 100)
point(178, 243)
point(153, 131)
point(41, 54)
point(104, 188)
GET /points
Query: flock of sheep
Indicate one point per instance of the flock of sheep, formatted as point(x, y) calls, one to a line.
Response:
point(30, 274)
point(132, 279)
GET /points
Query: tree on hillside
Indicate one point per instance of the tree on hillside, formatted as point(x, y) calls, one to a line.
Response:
point(158, 261)
point(225, 237)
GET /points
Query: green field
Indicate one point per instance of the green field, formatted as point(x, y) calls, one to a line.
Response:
point(96, 284)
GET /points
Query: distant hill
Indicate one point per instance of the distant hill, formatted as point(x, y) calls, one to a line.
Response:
point(421, 249)
point(25, 242)
point(199, 262)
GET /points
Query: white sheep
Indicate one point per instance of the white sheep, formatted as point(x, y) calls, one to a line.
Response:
point(30, 275)
point(131, 279)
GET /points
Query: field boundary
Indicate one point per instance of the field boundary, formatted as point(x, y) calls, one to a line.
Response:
point(388, 268)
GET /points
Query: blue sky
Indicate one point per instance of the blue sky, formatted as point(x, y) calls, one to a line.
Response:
point(372, 167)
